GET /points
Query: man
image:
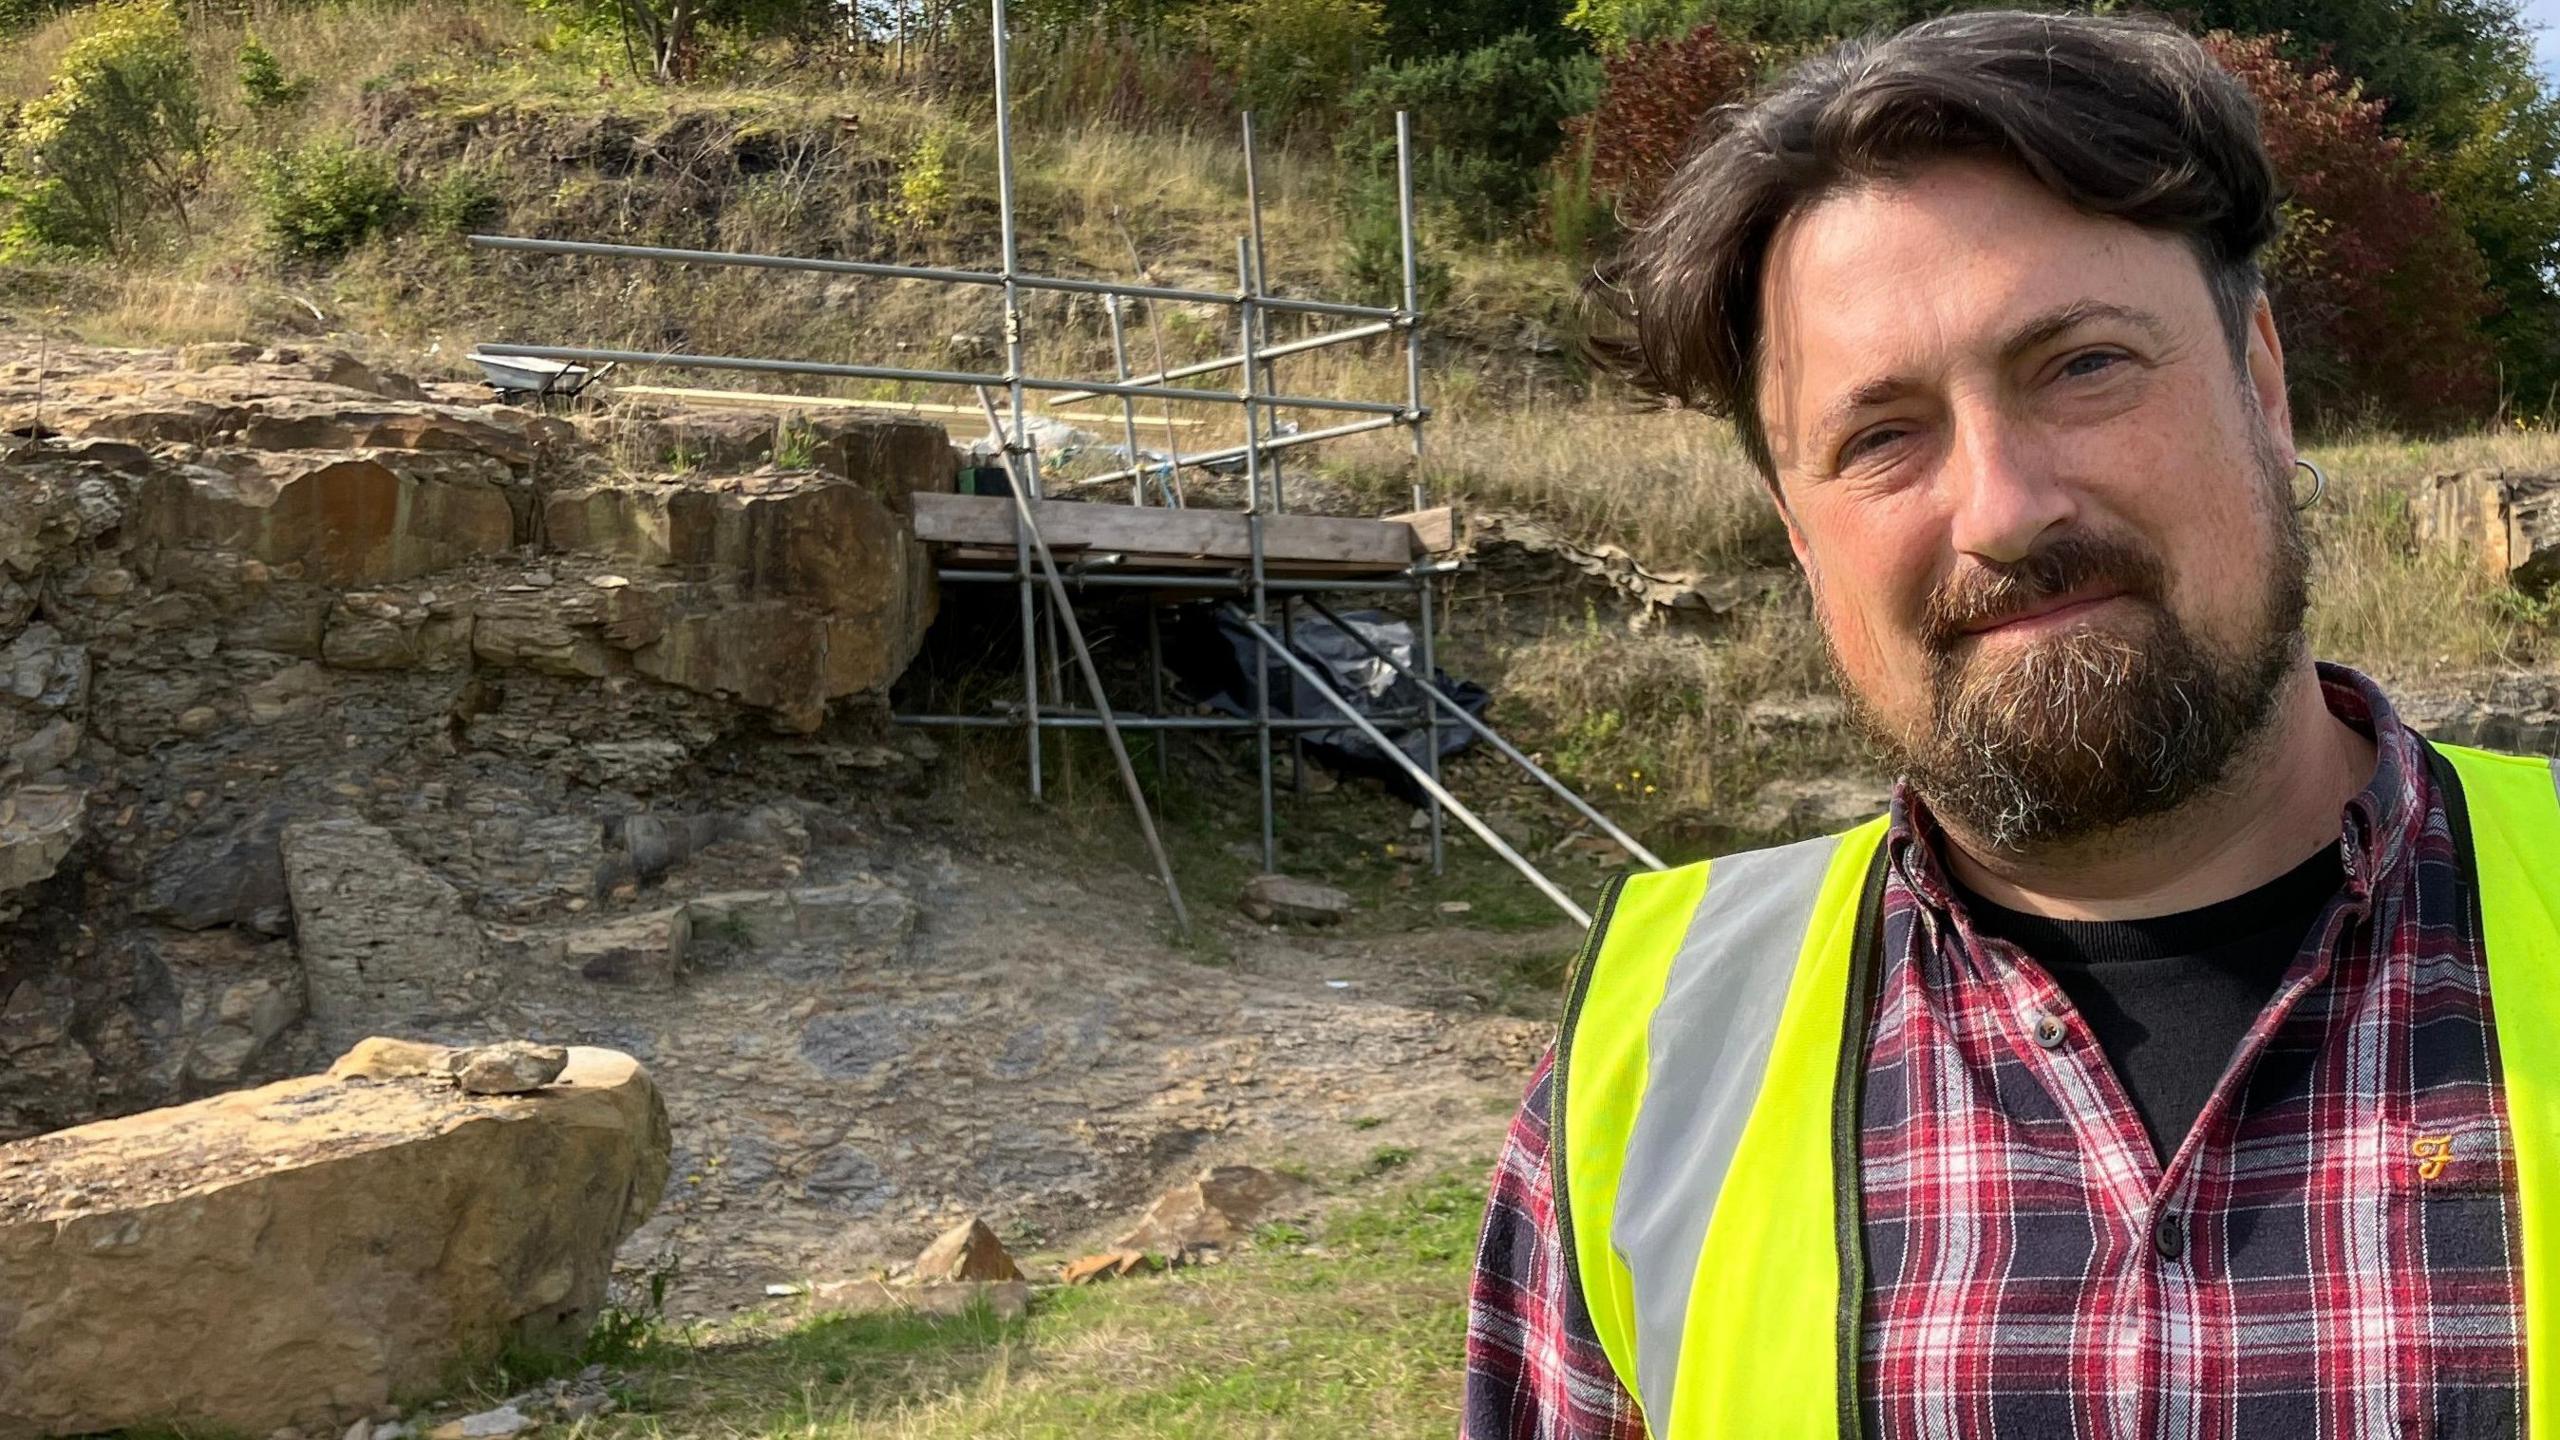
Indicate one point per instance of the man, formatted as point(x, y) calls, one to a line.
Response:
point(2177, 1057)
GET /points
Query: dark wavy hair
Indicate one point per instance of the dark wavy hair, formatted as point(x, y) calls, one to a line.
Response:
point(2118, 115)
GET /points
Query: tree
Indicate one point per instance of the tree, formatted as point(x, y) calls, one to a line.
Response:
point(1419, 28)
point(1486, 122)
point(2379, 291)
point(2454, 78)
point(1652, 97)
point(116, 141)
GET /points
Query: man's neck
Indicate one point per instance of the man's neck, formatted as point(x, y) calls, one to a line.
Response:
point(2280, 801)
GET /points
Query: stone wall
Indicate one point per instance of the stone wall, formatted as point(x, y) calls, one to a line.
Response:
point(317, 685)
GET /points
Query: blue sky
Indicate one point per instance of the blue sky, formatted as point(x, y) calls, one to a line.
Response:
point(2545, 14)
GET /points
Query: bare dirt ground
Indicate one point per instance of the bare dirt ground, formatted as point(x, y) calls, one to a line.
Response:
point(1038, 1055)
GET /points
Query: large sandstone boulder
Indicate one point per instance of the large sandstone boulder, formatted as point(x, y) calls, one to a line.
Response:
point(302, 1253)
point(2509, 524)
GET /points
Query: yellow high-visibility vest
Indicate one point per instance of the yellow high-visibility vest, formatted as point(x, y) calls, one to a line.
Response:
point(1706, 1091)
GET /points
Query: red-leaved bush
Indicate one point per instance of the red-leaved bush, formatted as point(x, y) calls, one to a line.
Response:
point(1653, 96)
point(2378, 293)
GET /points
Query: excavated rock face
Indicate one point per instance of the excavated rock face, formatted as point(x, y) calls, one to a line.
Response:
point(302, 1253)
point(313, 679)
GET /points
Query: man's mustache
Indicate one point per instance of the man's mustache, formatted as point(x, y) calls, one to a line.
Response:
point(1982, 594)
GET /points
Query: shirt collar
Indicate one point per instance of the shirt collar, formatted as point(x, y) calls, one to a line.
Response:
point(2378, 827)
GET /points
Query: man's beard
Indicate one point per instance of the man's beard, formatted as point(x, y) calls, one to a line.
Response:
point(2069, 736)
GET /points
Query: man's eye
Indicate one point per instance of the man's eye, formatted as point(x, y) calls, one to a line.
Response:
point(2092, 363)
point(1868, 440)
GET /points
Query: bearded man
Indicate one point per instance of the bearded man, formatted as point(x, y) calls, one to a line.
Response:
point(2177, 1057)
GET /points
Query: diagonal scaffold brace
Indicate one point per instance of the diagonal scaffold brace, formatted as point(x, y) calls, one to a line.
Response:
point(1064, 609)
point(1424, 778)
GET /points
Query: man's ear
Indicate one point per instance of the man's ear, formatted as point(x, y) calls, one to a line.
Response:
point(2265, 361)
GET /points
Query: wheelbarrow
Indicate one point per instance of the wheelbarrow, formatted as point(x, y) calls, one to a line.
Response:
point(519, 379)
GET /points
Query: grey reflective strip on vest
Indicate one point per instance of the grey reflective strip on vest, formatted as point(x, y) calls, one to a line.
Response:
point(1706, 1051)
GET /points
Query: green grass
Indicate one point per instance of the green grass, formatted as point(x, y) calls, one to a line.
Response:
point(1360, 1332)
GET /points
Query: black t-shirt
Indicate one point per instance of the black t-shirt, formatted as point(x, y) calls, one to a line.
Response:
point(2169, 997)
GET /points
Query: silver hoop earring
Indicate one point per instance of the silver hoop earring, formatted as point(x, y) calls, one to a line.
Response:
point(2319, 483)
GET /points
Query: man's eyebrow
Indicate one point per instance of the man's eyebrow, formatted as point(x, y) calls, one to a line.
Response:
point(2063, 319)
point(2042, 329)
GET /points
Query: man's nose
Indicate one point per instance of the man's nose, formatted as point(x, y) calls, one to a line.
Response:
point(2002, 491)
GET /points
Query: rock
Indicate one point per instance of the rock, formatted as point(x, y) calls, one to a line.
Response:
point(231, 874)
point(1004, 1299)
point(1269, 898)
point(1818, 806)
point(644, 952)
point(300, 1253)
point(495, 1424)
point(757, 919)
point(1109, 1265)
point(1781, 719)
point(827, 592)
point(2517, 713)
point(293, 690)
point(866, 918)
point(381, 1057)
point(38, 826)
point(385, 941)
point(2508, 523)
point(511, 1068)
point(1219, 1208)
point(1518, 546)
point(966, 1251)
point(338, 519)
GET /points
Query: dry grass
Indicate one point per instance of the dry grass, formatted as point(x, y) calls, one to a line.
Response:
point(1362, 1334)
point(2382, 602)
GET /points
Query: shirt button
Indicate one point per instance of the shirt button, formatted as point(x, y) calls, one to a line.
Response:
point(2050, 1031)
point(2169, 1236)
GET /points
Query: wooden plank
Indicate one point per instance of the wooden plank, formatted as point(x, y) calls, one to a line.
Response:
point(1435, 531)
point(1210, 534)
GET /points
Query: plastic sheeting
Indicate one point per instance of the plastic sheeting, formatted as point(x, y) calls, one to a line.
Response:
point(1215, 659)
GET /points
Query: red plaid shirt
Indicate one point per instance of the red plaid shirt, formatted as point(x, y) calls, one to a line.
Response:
point(2333, 1251)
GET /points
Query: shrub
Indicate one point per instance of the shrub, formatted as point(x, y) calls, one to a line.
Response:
point(27, 14)
point(1416, 28)
point(2380, 292)
point(458, 202)
point(1373, 248)
point(1485, 124)
point(322, 199)
point(263, 82)
point(116, 141)
point(924, 178)
point(1578, 220)
point(1293, 61)
point(1652, 96)
point(1103, 70)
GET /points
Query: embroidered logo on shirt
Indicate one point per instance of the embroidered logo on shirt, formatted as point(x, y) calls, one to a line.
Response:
point(2434, 1152)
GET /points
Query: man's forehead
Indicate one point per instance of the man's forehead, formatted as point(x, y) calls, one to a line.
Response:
point(1959, 255)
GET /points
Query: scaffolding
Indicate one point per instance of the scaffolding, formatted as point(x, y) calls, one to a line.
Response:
point(990, 541)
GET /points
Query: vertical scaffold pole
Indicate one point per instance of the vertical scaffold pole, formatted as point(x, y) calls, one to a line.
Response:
point(1253, 529)
point(1017, 475)
point(1128, 406)
point(1413, 427)
point(1255, 285)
